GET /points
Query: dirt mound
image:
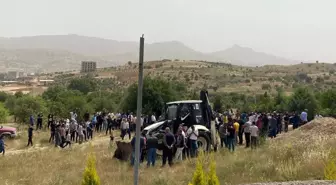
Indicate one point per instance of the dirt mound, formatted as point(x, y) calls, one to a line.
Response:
point(321, 125)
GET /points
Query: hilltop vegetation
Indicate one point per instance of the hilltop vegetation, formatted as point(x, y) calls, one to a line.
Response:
point(268, 88)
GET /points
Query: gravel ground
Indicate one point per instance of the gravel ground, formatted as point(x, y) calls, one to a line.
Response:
point(297, 183)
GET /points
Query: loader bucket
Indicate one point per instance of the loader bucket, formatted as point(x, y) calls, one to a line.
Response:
point(123, 151)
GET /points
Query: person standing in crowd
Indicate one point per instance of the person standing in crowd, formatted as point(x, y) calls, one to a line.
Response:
point(295, 120)
point(236, 127)
point(30, 135)
point(31, 120)
point(52, 131)
point(73, 128)
point(125, 129)
point(279, 124)
point(109, 124)
point(62, 134)
point(241, 131)
point(67, 141)
point(2, 145)
point(247, 133)
point(231, 135)
point(80, 133)
point(153, 118)
point(180, 144)
point(58, 139)
point(223, 135)
point(254, 135)
point(152, 143)
point(192, 134)
point(273, 125)
point(265, 127)
point(142, 145)
point(39, 122)
point(286, 120)
point(89, 130)
point(50, 120)
point(169, 142)
point(304, 117)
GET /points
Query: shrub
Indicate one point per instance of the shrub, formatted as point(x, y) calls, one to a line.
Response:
point(330, 167)
point(202, 178)
point(90, 176)
point(199, 177)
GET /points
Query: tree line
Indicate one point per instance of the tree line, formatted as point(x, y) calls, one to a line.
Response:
point(86, 95)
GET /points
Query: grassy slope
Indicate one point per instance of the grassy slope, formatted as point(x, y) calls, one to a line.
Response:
point(228, 78)
point(297, 155)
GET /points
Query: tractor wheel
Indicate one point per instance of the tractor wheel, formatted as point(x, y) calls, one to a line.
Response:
point(203, 141)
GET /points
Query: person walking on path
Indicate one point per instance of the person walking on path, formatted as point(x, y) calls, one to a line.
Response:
point(152, 143)
point(30, 135)
point(254, 135)
point(169, 142)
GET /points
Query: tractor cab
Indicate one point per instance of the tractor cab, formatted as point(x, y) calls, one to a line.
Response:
point(187, 113)
point(184, 113)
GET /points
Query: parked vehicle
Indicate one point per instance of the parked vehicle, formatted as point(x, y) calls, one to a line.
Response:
point(8, 132)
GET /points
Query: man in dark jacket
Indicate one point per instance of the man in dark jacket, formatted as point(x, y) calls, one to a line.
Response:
point(39, 122)
point(152, 143)
point(30, 135)
point(168, 141)
point(142, 145)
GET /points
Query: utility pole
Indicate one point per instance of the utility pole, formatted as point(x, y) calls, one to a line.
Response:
point(139, 110)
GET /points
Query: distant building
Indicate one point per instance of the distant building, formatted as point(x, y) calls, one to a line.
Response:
point(88, 66)
point(11, 75)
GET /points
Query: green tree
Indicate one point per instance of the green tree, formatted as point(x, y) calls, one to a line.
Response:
point(3, 96)
point(218, 103)
point(28, 105)
point(3, 113)
point(303, 99)
point(156, 92)
point(84, 85)
point(327, 102)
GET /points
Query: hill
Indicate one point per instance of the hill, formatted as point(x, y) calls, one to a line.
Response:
point(223, 77)
point(248, 57)
point(111, 52)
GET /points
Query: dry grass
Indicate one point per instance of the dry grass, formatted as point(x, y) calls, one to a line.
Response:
point(297, 155)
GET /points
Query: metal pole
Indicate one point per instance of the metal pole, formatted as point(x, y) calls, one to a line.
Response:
point(139, 109)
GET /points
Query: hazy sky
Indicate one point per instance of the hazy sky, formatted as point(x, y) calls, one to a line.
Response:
point(296, 29)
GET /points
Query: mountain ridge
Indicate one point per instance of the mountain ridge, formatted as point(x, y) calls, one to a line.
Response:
point(115, 52)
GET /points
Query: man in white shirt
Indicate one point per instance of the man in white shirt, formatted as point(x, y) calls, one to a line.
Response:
point(192, 134)
point(153, 119)
point(125, 128)
point(254, 131)
point(247, 133)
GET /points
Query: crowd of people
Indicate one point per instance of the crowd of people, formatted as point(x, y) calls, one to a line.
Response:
point(63, 132)
point(233, 129)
